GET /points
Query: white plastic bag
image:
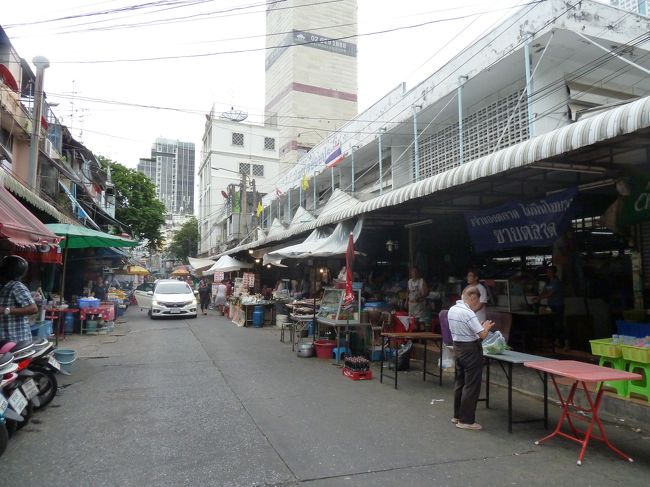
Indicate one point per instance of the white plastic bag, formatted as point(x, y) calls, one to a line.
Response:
point(494, 343)
point(448, 357)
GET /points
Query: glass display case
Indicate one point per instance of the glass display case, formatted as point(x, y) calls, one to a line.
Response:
point(332, 310)
point(516, 294)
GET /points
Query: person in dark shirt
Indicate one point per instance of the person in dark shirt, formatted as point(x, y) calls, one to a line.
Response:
point(554, 295)
point(99, 289)
point(205, 289)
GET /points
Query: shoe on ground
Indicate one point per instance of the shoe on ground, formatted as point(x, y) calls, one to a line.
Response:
point(454, 420)
point(465, 426)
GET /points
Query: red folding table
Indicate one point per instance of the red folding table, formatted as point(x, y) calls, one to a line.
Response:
point(581, 374)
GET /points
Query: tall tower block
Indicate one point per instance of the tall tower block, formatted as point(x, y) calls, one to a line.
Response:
point(311, 81)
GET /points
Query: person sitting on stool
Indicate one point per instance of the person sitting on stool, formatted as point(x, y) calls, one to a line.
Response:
point(467, 334)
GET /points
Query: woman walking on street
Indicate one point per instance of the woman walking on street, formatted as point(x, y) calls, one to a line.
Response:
point(204, 295)
point(220, 299)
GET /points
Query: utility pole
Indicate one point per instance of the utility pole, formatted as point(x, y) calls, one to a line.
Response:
point(255, 217)
point(243, 207)
point(41, 64)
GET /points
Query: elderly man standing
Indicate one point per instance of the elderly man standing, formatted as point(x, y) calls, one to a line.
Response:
point(467, 333)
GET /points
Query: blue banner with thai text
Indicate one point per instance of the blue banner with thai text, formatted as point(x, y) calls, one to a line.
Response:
point(536, 223)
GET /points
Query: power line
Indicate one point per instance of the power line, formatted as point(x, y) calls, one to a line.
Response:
point(267, 48)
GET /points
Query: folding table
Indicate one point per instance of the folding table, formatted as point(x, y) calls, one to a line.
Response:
point(581, 374)
point(510, 358)
point(423, 336)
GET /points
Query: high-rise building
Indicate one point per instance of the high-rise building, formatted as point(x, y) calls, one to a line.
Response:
point(636, 6)
point(311, 82)
point(171, 168)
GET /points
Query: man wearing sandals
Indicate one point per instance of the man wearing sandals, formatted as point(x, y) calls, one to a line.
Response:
point(467, 333)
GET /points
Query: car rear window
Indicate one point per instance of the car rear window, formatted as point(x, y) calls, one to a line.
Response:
point(172, 288)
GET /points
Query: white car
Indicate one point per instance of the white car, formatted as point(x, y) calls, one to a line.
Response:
point(173, 298)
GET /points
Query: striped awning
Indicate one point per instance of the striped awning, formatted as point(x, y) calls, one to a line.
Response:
point(623, 120)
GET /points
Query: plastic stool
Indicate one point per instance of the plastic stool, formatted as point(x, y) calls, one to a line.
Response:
point(640, 387)
point(619, 363)
point(338, 351)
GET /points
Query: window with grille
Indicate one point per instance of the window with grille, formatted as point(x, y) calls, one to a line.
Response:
point(244, 168)
point(237, 138)
point(481, 131)
point(269, 143)
point(258, 170)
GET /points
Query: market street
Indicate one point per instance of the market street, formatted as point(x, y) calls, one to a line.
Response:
point(202, 402)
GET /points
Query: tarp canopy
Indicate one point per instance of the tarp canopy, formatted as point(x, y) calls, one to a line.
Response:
point(227, 264)
point(276, 228)
point(301, 216)
point(77, 237)
point(20, 226)
point(200, 264)
point(320, 243)
point(339, 201)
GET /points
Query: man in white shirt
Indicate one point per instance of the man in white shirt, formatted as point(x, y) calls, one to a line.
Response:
point(467, 333)
point(472, 280)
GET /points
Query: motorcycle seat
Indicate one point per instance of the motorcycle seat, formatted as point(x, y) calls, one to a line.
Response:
point(5, 358)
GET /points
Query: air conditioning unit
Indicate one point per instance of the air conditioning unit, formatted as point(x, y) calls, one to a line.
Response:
point(48, 148)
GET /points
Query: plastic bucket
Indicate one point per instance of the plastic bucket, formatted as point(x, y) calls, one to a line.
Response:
point(68, 324)
point(258, 316)
point(91, 326)
point(66, 358)
point(324, 348)
point(280, 320)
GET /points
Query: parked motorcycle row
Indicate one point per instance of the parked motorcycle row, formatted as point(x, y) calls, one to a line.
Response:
point(28, 382)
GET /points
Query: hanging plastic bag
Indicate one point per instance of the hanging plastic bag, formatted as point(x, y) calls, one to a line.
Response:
point(448, 357)
point(494, 343)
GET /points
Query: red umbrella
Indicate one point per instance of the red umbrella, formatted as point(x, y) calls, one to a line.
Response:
point(349, 263)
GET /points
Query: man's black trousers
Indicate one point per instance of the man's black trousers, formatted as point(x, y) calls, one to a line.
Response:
point(469, 374)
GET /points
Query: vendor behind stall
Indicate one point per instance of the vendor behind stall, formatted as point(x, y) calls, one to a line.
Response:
point(417, 291)
point(472, 280)
point(99, 289)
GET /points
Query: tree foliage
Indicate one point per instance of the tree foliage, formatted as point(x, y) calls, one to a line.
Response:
point(186, 241)
point(136, 204)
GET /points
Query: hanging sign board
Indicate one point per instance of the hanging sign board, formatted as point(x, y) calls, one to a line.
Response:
point(218, 276)
point(636, 205)
point(536, 223)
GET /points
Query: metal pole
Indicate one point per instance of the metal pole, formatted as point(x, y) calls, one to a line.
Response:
point(332, 172)
point(243, 208)
point(416, 150)
point(289, 206)
point(314, 186)
point(381, 166)
point(352, 186)
point(529, 86)
point(300, 194)
point(460, 118)
point(41, 64)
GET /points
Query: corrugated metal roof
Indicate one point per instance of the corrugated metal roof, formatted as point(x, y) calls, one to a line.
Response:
point(613, 123)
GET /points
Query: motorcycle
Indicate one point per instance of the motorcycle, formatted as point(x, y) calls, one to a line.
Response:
point(45, 367)
point(7, 375)
point(23, 391)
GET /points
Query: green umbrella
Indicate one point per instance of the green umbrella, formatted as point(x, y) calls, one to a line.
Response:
point(78, 237)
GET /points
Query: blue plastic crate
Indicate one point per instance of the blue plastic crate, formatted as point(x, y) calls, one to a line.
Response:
point(88, 303)
point(630, 328)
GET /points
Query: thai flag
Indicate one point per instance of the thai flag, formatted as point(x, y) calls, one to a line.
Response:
point(335, 157)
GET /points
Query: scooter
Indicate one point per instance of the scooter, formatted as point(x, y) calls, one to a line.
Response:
point(12, 401)
point(23, 391)
point(45, 368)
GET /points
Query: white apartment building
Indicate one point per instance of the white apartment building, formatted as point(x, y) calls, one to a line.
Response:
point(636, 6)
point(311, 81)
point(231, 150)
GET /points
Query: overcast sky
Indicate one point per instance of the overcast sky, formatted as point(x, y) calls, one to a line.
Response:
point(93, 96)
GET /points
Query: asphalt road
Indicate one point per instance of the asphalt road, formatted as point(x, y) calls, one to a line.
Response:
point(202, 402)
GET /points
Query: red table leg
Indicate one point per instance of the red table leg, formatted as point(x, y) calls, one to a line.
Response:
point(572, 411)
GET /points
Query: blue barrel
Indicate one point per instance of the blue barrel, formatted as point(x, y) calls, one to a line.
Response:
point(68, 324)
point(258, 316)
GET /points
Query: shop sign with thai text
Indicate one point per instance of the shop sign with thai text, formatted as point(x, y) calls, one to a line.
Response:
point(636, 206)
point(521, 224)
